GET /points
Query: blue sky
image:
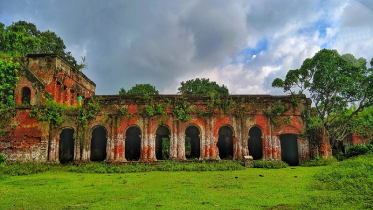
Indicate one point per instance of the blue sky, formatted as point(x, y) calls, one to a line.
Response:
point(244, 45)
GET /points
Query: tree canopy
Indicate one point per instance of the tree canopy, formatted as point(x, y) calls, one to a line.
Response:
point(336, 83)
point(202, 86)
point(22, 38)
point(140, 89)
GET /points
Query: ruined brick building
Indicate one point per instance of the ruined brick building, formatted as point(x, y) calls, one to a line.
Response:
point(138, 128)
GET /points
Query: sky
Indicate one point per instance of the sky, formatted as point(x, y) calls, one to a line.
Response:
point(244, 45)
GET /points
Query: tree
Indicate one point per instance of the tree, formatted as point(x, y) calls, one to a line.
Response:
point(141, 89)
point(335, 83)
point(202, 86)
point(8, 81)
point(22, 38)
point(122, 91)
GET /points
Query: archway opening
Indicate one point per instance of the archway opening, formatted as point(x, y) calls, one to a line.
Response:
point(98, 144)
point(255, 143)
point(225, 143)
point(26, 96)
point(162, 143)
point(289, 149)
point(192, 142)
point(133, 143)
point(66, 146)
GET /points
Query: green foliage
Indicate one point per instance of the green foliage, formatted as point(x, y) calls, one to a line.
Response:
point(162, 166)
point(141, 89)
point(335, 83)
point(51, 113)
point(86, 113)
point(361, 124)
point(8, 81)
point(275, 164)
point(277, 110)
point(22, 38)
point(224, 103)
point(165, 148)
point(18, 168)
point(320, 162)
point(359, 149)
point(122, 91)
point(202, 86)
point(182, 110)
point(3, 158)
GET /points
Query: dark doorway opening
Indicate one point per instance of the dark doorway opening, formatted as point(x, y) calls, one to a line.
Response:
point(255, 143)
point(98, 144)
point(289, 149)
point(133, 143)
point(225, 143)
point(192, 142)
point(66, 146)
point(26, 96)
point(162, 143)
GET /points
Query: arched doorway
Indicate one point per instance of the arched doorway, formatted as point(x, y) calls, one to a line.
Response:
point(225, 143)
point(133, 143)
point(26, 96)
point(192, 142)
point(289, 149)
point(255, 143)
point(162, 143)
point(66, 145)
point(98, 144)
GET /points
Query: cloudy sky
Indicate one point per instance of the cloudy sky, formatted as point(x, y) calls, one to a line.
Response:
point(241, 44)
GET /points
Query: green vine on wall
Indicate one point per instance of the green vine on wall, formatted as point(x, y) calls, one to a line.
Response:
point(51, 113)
point(278, 109)
point(182, 110)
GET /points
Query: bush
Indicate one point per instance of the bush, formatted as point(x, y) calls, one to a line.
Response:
point(158, 166)
point(3, 158)
point(275, 164)
point(320, 162)
point(18, 168)
point(356, 150)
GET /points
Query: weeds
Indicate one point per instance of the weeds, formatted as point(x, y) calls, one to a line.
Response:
point(18, 168)
point(320, 162)
point(275, 164)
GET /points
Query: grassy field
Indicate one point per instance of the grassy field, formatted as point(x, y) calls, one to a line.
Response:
point(287, 188)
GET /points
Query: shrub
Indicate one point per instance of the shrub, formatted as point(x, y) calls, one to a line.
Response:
point(3, 158)
point(18, 168)
point(320, 162)
point(275, 164)
point(356, 150)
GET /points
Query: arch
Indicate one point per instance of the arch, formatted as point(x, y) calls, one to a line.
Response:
point(98, 143)
point(162, 143)
point(289, 130)
point(26, 96)
point(225, 142)
point(289, 149)
point(133, 143)
point(192, 142)
point(66, 145)
point(255, 143)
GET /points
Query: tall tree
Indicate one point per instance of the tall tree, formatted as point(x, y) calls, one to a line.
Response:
point(202, 86)
point(142, 89)
point(22, 38)
point(335, 83)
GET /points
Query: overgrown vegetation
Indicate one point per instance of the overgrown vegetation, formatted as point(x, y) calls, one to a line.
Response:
point(360, 149)
point(341, 88)
point(162, 166)
point(51, 112)
point(277, 110)
point(3, 158)
point(22, 38)
point(274, 164)
point(320, 162)
point(19, 168)
point(353, 177)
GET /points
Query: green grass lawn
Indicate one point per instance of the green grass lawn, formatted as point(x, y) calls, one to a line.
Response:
point(287, 188)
